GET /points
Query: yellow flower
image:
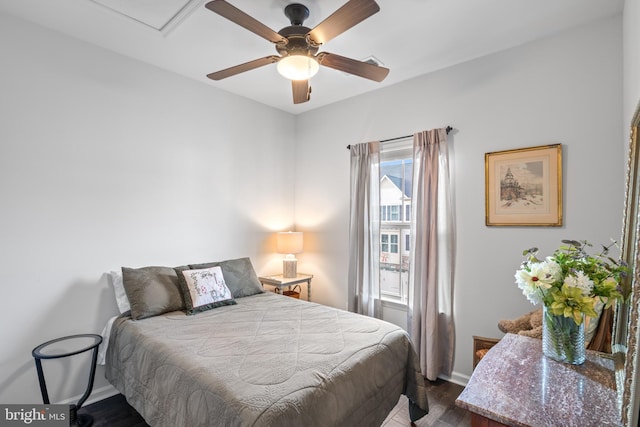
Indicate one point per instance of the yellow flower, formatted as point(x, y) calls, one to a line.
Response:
point(570, 302)
point(608, 291)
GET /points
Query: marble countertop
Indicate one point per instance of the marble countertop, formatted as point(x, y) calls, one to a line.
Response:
point(514, 384)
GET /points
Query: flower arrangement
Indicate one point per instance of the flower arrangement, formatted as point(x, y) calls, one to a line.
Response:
point(570, 281)
point(569, 284)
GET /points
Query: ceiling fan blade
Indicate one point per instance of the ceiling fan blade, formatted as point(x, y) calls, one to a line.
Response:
point(232, 71)
point(233, 14)
point(350, 14)
point(352, 66)
point(301, 91)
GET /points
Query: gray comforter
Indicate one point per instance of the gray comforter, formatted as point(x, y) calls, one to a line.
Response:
point(270, 360)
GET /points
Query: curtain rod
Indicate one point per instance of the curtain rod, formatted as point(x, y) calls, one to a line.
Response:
point(448, 129)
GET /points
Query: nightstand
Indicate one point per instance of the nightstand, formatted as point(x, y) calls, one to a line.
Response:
point(65, 347)
point(279, 282)
point(481, 346)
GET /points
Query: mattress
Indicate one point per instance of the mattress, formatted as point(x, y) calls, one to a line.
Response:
point(270, 360)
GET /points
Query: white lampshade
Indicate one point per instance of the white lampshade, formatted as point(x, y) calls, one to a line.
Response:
point(298, 67)
point(289, 242)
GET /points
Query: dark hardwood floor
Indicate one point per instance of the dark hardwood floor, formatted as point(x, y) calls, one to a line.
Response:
point(442, 409)
point(116, 412)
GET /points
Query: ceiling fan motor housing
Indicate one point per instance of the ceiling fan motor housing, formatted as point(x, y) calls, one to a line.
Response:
point(298, 44)
point(296, 33)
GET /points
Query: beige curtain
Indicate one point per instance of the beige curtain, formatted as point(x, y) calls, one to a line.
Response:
point(430, 302)
point(364, 231)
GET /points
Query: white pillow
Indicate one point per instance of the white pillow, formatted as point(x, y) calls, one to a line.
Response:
point(121, 295)
point(205, 289)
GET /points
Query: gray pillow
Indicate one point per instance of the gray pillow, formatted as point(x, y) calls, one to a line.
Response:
point(239, 275)
point(152, 291)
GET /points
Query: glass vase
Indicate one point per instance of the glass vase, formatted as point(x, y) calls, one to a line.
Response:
point(562, 338)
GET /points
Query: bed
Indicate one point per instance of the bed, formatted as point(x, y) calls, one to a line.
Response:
point(264, 360)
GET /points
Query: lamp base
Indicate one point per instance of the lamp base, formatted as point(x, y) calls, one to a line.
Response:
point(289, 268)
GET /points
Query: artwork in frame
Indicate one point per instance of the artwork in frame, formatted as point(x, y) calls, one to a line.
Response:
point(523, 187)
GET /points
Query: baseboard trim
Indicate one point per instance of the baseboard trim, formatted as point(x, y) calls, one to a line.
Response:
point(97, 395)
point(456, 378)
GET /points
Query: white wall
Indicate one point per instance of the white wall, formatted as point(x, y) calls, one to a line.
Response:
point(566, 89)
point(104, 162)
point(631, 35)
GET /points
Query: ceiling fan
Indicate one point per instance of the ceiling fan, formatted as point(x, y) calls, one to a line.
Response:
point(298, 45)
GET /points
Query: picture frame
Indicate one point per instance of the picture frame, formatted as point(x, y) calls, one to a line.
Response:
point(523, 187)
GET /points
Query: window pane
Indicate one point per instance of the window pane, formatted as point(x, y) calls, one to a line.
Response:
point(395, 213)
point(394, 243)
point(408, 177)
point(390, 284)
point(396, 171)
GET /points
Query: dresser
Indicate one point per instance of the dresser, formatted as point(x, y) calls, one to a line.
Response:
point(516, 385)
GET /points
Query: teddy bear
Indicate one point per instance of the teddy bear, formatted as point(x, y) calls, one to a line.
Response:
point(529, 325)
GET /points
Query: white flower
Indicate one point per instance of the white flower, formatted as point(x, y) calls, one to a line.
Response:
point(538, 278)
point(554, 271)
point(579, 280)
point(529, 291)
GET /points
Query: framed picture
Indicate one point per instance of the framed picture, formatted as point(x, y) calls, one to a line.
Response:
point(523, 187)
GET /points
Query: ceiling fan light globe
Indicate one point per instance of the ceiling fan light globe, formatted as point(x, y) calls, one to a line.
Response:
point(298, 67)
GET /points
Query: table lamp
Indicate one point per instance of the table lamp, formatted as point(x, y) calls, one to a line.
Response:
point(289, 243)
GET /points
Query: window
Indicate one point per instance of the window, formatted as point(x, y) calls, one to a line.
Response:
point(395, 213)
point(390, 213)
point(396, 169)
point(384, 245)
point(407, 240)
point(394, 243)
point(389, 247)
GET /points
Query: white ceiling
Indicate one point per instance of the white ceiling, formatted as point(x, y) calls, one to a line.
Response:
point(411, 37)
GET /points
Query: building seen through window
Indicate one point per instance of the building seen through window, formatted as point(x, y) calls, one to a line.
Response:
point(396, 170)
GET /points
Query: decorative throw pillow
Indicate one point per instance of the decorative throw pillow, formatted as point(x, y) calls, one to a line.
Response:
point(204, 289)
point(118, 288)
point(152, 291)
point(239, 276)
